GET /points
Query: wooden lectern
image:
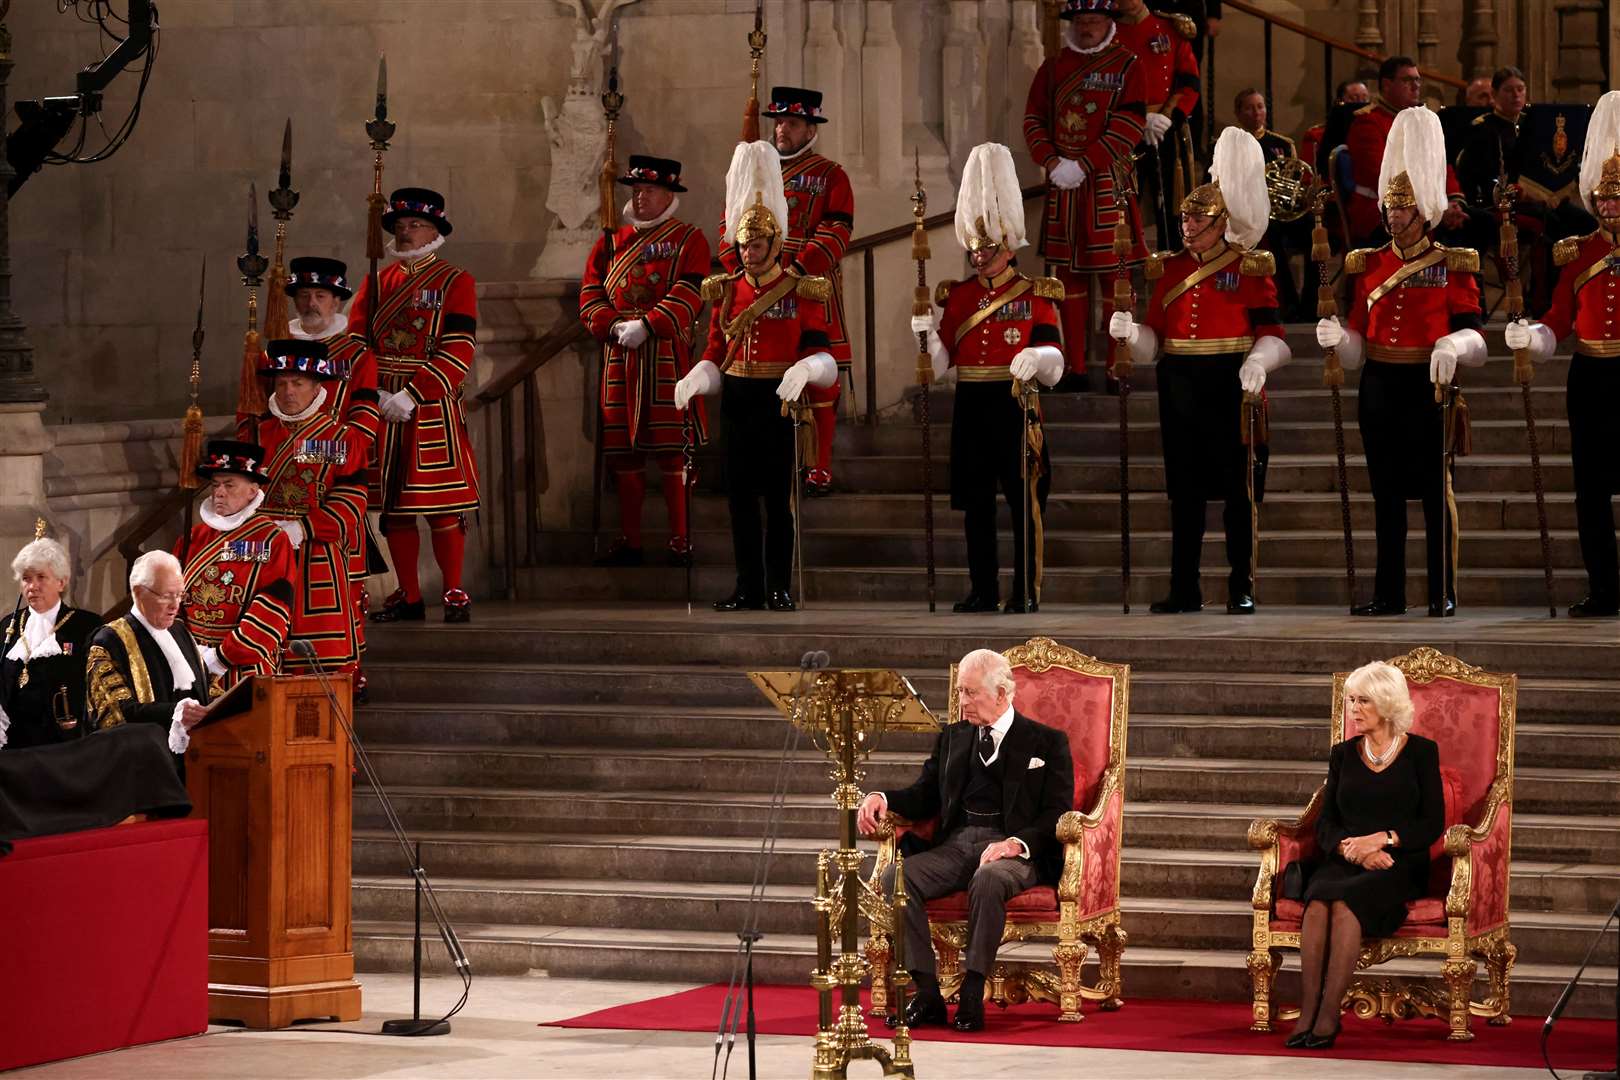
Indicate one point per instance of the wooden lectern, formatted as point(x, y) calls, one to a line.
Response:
point(270, 768)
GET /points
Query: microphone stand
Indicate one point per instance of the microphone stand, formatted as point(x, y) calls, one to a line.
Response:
point(1569, 992)
point(424, 888)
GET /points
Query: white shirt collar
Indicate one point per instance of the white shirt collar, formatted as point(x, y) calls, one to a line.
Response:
point(226, 524)
point(998, 731)
point(179, 670)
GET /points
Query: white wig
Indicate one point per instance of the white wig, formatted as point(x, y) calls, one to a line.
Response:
point(42, 554)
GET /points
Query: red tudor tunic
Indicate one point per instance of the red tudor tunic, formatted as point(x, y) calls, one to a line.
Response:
point(1214, 304)
point(1585, 297)
point(655, 274)
point(1369, 133)
point(317, 478)
point(1406, 301)
point(240, 592)
point(1161, 44)
point(426, 333)
point(1091, 109)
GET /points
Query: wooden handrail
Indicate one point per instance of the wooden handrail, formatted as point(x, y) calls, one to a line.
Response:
point(127, 541)
point(565, 332)
point(1337, 43)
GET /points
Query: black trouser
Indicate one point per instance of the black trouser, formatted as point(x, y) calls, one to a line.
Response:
point(987, 429)
point(1402, 434)
point(759, 466)
point(1156, 179)
point(1200, 422)
point(1594, 444)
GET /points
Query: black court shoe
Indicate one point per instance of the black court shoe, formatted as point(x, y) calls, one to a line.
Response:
point(1297, 1039)
point(1019, 605)
point(1176, 605)
point(1594, 607)
point(973, 602)
point(397, 609)
point(1322, 1042)
point(781, 600)
point(1240, 604)
point(1442, 609)
point(1379, 607)
point(740, 601)
point(924, 1010)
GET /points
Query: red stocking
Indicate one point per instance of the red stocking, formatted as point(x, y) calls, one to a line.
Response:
point(449, 545)
point(632, 481)
point(404, 545)
point(669, 468)
point(1074, 313)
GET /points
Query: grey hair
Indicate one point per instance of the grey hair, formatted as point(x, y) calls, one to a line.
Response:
point(1386, 686)
point(145, 570)
point(995, 668)
point(42, 554)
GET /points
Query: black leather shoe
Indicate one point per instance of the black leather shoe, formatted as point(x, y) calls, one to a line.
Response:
point(1442, 609)
point(969, 1015)
point(1313, 1041)
point(620, 553)
point(1240, 604)
point(1017, 605)
point(1379, 607)
point(740, 601)
point(974, 602)
point(1594, 608)
point(1176, 605)
point(924, 1010)
point(1297, 1039)
point(781, 600)
point(396, 609)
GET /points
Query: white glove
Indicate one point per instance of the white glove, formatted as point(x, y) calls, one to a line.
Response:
point(179, 737)
point(397, 408)
point(294, 531)
point(1123, 328)
point(1157, 125)
point(1068, 173)
point(1443, 363)
point(630, 334)
point(794, 380)
point(1329, 334)
point(1025, 365)
point(211, 661)
point(1517, 335)
point(1252, 376)
point(704, 378)
point(925, 324)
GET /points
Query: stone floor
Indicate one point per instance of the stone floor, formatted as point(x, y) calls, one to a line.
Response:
point(497, 1037)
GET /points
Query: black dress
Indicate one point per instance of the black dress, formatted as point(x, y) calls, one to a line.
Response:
point(34, 706)
point(1407, 797)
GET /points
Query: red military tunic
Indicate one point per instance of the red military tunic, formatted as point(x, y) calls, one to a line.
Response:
point(317, 470)
point(985, 324)
point(1585, 298)
point(240, 589)
point(655, 275)
point(1091, 109)
point(1369, 133)
point(426, 333)
point(791, 327)
point(1163, 46)
point(1214, 303)
point(1403, 302)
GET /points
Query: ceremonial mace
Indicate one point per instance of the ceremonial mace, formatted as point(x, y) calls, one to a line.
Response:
point(1524, 373)
point(1327, 307)
point(608, 216)
point(192, 426)
point(282, 200)
point(1124, 300)
point(250, 400)
point(756, 52)
point(922, 304)
point(379, 129)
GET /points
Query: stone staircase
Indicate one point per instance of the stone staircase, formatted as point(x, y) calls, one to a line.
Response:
point(589, 784)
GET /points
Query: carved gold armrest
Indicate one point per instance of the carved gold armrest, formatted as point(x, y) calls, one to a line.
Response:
point(1071, 830)
point(1460, 843)
point(1265, 837)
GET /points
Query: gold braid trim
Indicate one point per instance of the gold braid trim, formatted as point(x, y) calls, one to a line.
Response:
point(105, 690)
point(1565, 250)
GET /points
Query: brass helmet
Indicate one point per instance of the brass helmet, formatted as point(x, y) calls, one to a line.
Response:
point(1205, 200)
point(758, 221)
point(1399, 195)
point(756, 204)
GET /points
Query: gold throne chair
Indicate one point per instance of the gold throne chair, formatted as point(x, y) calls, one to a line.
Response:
point(1089, 700)
point(1463, 919)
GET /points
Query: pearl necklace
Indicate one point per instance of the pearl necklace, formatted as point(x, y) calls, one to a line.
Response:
point(1387, 755)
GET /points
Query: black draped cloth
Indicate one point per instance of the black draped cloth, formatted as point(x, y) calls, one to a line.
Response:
point(89, 783)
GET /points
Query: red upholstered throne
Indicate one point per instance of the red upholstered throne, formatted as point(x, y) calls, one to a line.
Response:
point(1469, 713)
point(1089, 700)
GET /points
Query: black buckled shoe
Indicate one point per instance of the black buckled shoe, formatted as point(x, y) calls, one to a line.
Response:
point(1442, 609)
point(740, 601)
point(924, 1010)
point(1240, 604)
point(620, 553)
point(1594, 607)
point(1177, 605)
point(457, 606)
point(975, 602)
point(1379, 607)
point(680, 551)
point(817, 483)
point(397, 609)
point(781, 600)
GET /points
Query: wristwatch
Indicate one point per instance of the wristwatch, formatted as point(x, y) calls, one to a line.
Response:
point(1390, 842)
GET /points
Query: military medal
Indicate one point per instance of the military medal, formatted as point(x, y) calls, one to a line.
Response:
point(1012, 336)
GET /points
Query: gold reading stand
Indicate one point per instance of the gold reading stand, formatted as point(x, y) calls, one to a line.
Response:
point(845, 713)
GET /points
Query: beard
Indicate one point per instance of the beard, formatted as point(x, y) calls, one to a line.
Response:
point(313, 321)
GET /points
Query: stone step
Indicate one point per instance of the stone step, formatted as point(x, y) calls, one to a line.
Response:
point(675, 860)
point(707, 956)
point(1164, 922)
point(600, 769)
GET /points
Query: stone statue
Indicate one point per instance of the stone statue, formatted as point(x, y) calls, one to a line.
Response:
point(577, 132)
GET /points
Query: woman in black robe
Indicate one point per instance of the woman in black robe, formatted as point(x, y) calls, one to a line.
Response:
point(1383, 808)
point(42, 652)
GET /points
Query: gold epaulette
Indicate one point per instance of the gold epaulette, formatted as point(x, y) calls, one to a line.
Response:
point(1355, 262)
point(1480, 119)
point(815, 288)
point(1153, 269)
point(1463, 260)
point(1258, 264)
point(942, 291)
point(1183, 23)
point(1365, 109)
point(714, 286)
point(1049, 288)
point(1565, 250)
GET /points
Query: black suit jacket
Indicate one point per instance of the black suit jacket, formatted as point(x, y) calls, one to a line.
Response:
point(1032, 798)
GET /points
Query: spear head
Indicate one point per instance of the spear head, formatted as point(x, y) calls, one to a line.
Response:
point(250, 262)
point(612, 100)
point(379, 129)
point(282, 197)
point(202, 293)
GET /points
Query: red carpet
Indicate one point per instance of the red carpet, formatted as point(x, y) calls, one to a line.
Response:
point(1171, 1026)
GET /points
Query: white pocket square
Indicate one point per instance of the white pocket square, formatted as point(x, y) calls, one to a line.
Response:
point(1036, 763)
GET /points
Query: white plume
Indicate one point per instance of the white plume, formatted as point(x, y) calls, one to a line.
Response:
point(990, 190)
point(1417, 147)
point(1238, 166)
point(1602, 141)
point(756, 170)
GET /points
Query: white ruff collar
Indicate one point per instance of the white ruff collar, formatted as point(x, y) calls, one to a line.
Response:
point(36, 636)
point(805, 149)
point(226, 524)
point(669, 212)
point(415, 253)
point(308, 411)
point(335, 326)
point(1068, 41)
point(179, 670)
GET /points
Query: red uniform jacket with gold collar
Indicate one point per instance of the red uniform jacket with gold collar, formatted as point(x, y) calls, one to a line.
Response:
point(1584, 299)
point(1214, 303)
point(241, 587)
point(1405, 301)
point(986, 323)
point(752, 339)
point(1369, 133)
point(1163, 45)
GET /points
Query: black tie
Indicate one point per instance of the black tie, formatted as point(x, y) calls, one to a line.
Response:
point(987, 745)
